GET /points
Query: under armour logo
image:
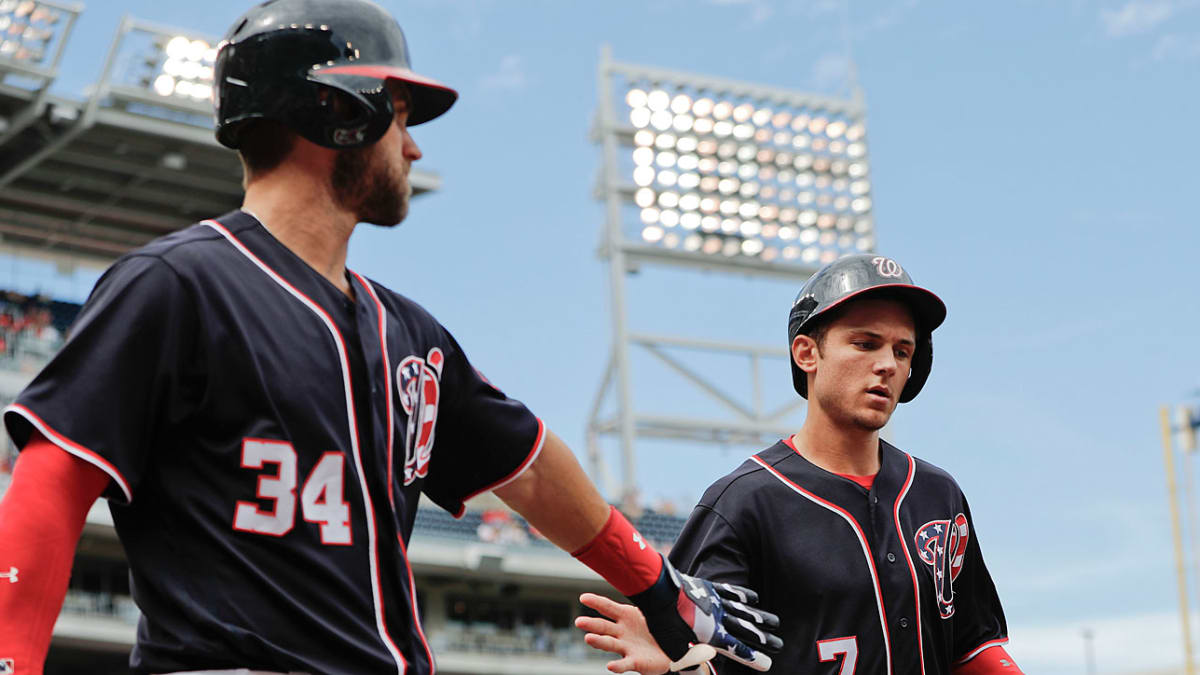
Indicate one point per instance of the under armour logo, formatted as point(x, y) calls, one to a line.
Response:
point(637, 539)
point(887, 267)
point(11, 575)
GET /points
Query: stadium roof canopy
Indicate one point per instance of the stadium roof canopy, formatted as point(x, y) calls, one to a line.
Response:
point(84, 181)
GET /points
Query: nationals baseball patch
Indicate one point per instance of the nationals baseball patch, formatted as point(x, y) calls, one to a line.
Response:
point(419, 384)
point(942, 544)
point(7, 666)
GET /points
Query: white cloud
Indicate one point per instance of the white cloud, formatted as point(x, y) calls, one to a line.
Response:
point(888, 17)
point(1137, 16)
point(758, 11)
point(509, 76)
point(1176, 48)
point(1136, 643)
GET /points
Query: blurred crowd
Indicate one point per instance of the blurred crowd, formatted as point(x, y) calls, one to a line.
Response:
point(31, 329)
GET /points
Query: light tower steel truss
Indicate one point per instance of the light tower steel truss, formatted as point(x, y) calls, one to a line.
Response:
point(729, 177)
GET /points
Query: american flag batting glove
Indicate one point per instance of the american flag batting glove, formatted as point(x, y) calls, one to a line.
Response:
point(682, 610)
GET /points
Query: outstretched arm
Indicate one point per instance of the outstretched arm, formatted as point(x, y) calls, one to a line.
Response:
point(41, 517)
point(557, 498)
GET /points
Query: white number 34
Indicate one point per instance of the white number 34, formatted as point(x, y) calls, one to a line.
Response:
point(846, 647)
point(321, 498)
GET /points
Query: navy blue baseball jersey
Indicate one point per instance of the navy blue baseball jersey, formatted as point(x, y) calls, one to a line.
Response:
point(267, 440)
point(886, 580)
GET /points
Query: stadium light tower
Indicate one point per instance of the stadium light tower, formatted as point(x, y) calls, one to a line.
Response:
point(726, 176)
point(163, 68)
point(32, 36)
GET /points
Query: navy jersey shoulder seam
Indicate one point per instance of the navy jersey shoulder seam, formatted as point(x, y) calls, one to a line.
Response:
point(738, 535)
point(717, 498)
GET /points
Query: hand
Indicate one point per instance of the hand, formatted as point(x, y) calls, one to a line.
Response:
point(625, 635)
point(681, 611)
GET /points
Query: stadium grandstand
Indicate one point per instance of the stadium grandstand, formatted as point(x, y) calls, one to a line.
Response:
point(84, 181)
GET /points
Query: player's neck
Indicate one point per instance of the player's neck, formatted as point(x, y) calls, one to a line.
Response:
point(305, 219)
point(836, 448)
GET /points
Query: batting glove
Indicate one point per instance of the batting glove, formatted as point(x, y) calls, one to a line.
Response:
point(684, 611)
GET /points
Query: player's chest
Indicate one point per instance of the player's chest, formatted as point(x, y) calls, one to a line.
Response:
point(871, 546)
point(325, 366)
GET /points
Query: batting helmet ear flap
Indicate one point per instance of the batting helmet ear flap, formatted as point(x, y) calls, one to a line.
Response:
point(922, 364)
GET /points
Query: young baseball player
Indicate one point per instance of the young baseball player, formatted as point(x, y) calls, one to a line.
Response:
point(263, 420)
point(868, 555)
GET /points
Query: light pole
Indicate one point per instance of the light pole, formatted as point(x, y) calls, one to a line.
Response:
point(1188, 433)
point(1089, 652)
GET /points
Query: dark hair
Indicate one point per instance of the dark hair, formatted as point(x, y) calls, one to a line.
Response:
point(264, 144)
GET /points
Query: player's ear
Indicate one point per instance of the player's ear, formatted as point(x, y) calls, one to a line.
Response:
point(804, 353)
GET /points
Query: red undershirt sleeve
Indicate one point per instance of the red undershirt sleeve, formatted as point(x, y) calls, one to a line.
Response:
point(41, 518)
point(991, 661)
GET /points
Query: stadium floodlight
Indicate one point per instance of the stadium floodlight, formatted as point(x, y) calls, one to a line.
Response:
point(720, 169)
point(723, 176)
point(185, 69)
point(164, 68)
point(32, 33)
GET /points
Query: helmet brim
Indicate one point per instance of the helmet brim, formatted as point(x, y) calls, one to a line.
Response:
point(928, 308)
point(430, 98)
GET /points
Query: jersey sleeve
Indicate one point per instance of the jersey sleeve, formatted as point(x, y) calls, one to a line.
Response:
point(710, 548)
point(118, 377)
point(483, 440)
point(978, 617)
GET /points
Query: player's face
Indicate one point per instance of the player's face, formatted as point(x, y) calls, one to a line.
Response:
point(373, 181)
point(863, 363)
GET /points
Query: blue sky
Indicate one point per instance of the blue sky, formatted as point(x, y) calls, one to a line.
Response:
point(1031, 163)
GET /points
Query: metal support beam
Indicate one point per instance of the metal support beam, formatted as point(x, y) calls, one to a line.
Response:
point(699, 381)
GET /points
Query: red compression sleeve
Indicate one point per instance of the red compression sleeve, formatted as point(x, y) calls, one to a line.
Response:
point(991, 661)
point(621, 555)
point(41, 517)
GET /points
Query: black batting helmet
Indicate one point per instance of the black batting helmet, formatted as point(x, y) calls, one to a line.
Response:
point(857, 276)
point(287, 60)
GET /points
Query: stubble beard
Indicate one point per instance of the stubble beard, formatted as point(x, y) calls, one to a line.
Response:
point(370, 188)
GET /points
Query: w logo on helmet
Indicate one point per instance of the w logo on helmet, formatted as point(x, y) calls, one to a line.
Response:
point(887, 267)
point(942, 544)
point(419, 383)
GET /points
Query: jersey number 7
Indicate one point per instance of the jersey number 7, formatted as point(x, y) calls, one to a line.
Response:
point(846, 647)
point(321, 499)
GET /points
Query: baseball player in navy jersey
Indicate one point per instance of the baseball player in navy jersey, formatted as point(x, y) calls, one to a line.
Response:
point(262, 420)
point(868, 555)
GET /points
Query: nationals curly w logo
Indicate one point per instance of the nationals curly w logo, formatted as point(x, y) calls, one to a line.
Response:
point(419, 383)
point(943, 545)
point(887, 267)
